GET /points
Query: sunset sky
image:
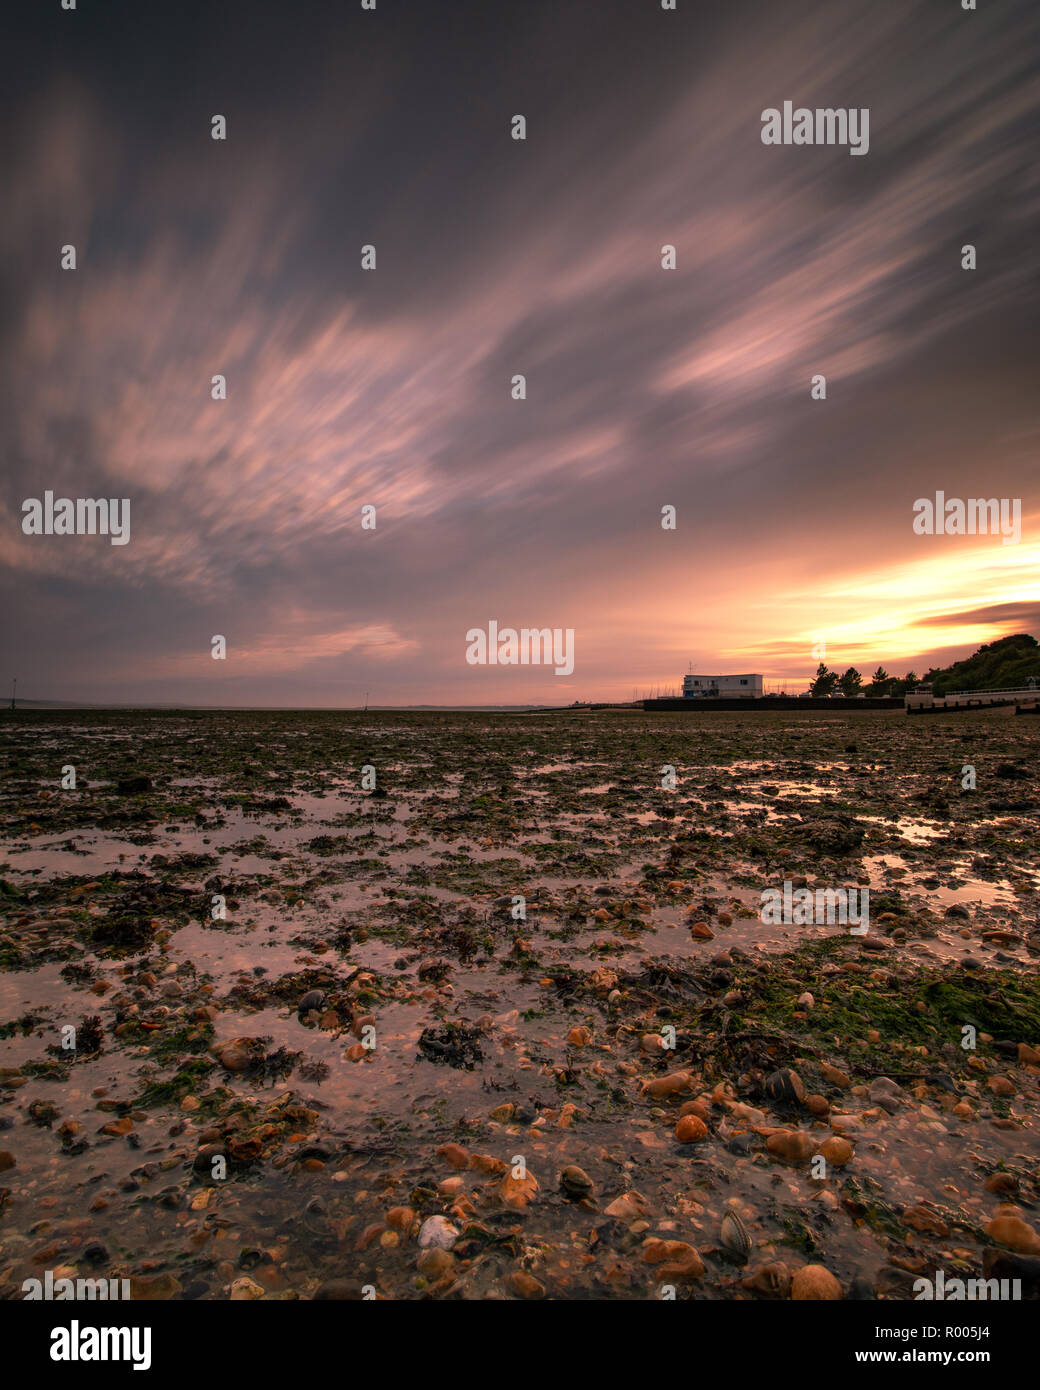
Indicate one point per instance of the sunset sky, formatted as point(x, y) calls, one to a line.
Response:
point(645, 387)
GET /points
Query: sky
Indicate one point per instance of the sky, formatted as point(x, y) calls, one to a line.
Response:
point(392, 387)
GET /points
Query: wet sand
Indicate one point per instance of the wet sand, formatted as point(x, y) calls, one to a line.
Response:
point(616, 1086)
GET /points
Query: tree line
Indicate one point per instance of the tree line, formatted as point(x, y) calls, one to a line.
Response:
point(1009, 663)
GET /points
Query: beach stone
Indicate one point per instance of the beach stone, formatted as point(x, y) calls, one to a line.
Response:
point(575, 1182)
point(7, 1160)
point(671, 1085)
point(435, 1263)
point(245, 1290)
point(814, 1283)
point(517, 1192)
point(690, 1129)
point(792, 1145)
point(159, 1288)
point(675, 1259)
point(886, 1093)
point(242, 1053)
point(487, 1163)
point(702, 1109)
point(630, 1206)
point(525, 1285)
point(784, 1085)
point(438, 1231)
point(837, 1151)
point(1013, 1232)
point(772, 1280)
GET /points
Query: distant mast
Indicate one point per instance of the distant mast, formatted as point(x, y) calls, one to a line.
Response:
point(14, 690)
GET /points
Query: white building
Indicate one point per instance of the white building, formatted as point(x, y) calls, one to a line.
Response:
point(698, 687)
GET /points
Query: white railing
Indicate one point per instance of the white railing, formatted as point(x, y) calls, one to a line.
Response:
point(924, 698)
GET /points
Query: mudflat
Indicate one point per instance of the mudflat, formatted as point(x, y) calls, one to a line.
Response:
point(339, 1005)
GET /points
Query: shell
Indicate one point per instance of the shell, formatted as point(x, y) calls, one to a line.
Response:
point(575, 1182)
point(735, 1235)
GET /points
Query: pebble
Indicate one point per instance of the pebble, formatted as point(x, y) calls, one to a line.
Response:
point(630, 1206)
point(793, 1145)
point(1013, 1232)
point(884, 1092)
point(517, 1192)
point(575, 1182)
point(814, 1282)
point(690, 1129)
point(158, 1289)
point(525, 1285)
point(784, 1085)
point(773, 1280)
point(245, 1290)
point(486, 1163)
point(837, 1151)
point(439, 1232)
point(675, 1259)
point(436, 1263)
point(670, 1085)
